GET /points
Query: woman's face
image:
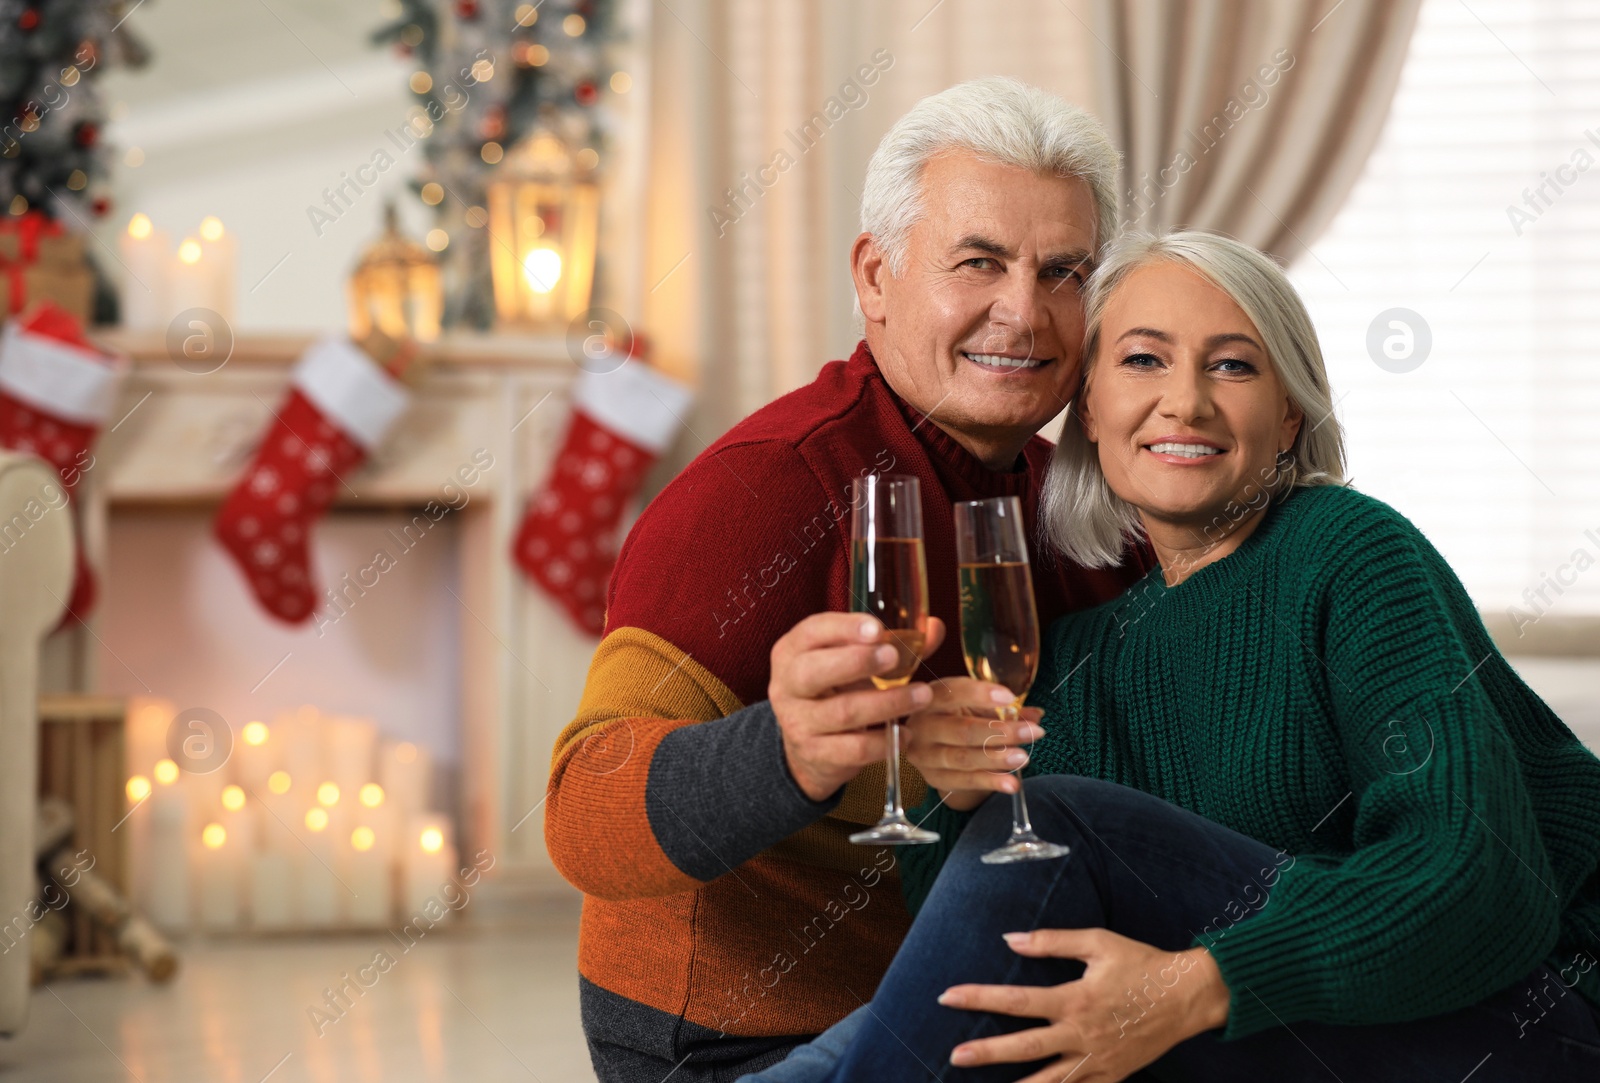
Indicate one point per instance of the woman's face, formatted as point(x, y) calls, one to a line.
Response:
point(1188, 412)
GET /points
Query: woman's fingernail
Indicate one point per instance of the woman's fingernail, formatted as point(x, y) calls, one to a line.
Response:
point(961, 1055)
point(1002, 696)
point(1032, 733)
point(885, 655)
point(947, 997)
point(1017, 940)
point(1016, 758)
point(921, 695)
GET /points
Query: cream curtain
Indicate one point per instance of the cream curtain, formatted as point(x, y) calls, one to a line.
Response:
point(762, 117)
point(1253, 117)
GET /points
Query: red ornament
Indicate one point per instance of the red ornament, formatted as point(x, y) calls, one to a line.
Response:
point(586, 93)
point(402, 50)
point(28, 19)
point(467, 9)
point(88, 135)
point(100, 206)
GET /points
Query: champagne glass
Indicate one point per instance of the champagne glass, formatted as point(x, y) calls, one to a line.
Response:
point(889, 579)
point(1000, 633)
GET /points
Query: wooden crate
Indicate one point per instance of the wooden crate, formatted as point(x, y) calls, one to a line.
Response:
point(82, 761)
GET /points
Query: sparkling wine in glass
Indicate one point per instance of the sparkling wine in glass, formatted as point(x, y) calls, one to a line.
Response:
point(1000, 633)
point(889, 579)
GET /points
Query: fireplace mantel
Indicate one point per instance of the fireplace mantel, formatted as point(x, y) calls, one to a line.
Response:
point(180, 439)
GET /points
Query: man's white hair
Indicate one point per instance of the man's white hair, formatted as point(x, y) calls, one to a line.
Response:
point(999, 119)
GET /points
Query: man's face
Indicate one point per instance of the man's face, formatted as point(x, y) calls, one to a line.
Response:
point(983, 327)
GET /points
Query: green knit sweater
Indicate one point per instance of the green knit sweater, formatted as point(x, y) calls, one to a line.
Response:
point(1329, 690)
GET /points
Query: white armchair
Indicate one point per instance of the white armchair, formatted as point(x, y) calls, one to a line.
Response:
point(36, 560)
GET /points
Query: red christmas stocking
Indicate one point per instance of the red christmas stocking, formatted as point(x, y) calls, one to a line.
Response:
point(55, 392)
point(621, 423)
point(340, 405)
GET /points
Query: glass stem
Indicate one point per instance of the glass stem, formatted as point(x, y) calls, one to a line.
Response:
point(1020, 824)
point(891, 801)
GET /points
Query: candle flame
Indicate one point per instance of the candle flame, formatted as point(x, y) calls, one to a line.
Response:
point(214, 836)
point(138, 788)
point(278, 782)
point(542, 268)
point(189, 250)
point(166, 772)
point(140, 227)
point(372, 795)
point(328, 794)
point(233, 798)
point(211, 227)
point(431, 840)
point(256, 733)
point(316, 818)
point(362, 838)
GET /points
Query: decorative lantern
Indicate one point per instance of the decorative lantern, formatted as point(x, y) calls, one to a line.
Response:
point(396, 288)
point(544, 217)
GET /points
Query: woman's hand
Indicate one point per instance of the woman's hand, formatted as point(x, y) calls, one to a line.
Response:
point(1133, 1003)
point(962, 747)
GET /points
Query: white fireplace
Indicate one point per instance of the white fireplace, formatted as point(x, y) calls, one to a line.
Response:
point(450, 646)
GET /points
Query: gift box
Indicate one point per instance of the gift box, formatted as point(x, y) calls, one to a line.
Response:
point(41, 261)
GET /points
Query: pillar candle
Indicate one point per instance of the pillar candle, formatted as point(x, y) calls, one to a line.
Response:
point(370, 901)
point(166, 900)
point(274, 888)
point(429, 860)
point(146, 254)
point(319, 883)
point(301, 751)
point(405, 772)
point(255, 756)
point(219, 878)
point(220, 254)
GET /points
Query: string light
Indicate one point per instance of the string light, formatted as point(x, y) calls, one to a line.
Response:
point(328, 794)
point(279, 782)
point(138, 788)
point(233, 798)
point(255, 733)
point(431, 840)
point(166, 772)
point(316, 818)
point(214, 836)
point(372, 795)
point(362, 838)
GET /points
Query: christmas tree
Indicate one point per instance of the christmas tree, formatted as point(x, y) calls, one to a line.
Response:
point(53, 162)
point(489, 73)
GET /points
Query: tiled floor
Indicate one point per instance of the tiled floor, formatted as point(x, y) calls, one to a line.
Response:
point(493, 1000)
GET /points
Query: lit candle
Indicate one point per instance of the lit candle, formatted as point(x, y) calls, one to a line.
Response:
point(319, 884)
point(273, 889)
point(254, 756)
point(220, 254)
point(136, 824)
point(146, 254)
point(301, 752)
point(166, 900)
point(429, 861)
point(281, 809)
point(146, 732)
point(404, 770)
point(370, 901)
point(219, 878)
point(192, 283)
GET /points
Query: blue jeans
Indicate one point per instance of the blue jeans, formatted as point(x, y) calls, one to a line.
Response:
point(1149, 870)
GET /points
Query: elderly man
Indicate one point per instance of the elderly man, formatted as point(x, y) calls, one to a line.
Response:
point(725, 747)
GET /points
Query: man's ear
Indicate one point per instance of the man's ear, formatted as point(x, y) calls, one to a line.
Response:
point(869, 268)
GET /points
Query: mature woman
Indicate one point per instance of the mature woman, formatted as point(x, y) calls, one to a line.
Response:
point(1319, 827)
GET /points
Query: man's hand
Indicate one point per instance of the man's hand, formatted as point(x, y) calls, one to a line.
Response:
point(1133, 1003)
point(962, 747)
point(825, 705)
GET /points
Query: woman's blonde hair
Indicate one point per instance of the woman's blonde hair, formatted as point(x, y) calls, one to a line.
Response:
point(1080, 516)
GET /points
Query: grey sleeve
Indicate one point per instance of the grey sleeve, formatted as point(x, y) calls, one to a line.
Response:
point(720, 792)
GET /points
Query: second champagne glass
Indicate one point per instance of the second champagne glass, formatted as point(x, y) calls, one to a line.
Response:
point(1000, 633)
point(889, 579)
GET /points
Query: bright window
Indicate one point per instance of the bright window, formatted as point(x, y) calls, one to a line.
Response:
point(1479, 212)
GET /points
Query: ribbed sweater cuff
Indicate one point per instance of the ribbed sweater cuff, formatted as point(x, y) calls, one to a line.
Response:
point(720, 792)
point(1270, 982)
